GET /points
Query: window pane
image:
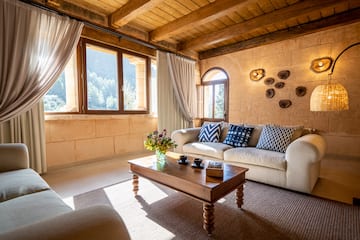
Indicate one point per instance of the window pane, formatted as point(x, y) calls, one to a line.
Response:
point(134, 82)
point(153, 87)
point(208, 101)
point(102, 78)
point(62, 96)
point(214, 75)
point(219, 101)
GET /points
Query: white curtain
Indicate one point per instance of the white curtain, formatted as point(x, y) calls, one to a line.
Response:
point(176, 92)
point(35, 46)
point(28, 128)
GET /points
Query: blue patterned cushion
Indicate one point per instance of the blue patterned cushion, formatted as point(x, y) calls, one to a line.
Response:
point(238, 136)
point(210, 132)
point(275, 138)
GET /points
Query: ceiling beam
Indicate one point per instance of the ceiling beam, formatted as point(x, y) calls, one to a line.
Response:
point(330, 22)
point(203, 15)
point(294, 11)
point(131, 10)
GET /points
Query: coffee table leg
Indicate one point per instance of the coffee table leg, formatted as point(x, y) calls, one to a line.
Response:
point(135, 184)
point(208, 215)
point(239, 196)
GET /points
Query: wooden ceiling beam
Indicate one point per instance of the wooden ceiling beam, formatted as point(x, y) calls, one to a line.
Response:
point(299, 9)
point(130, 11)
point(330, 22)
point(203, 15)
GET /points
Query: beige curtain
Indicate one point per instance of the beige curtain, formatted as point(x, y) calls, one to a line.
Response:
point(176, 92)
point(35, 46)
point(28, 128)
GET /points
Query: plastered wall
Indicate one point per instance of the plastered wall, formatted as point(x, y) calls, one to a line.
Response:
point(74, 139)
point(247, 100)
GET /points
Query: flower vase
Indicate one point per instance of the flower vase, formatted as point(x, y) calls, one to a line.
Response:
point(160, 157)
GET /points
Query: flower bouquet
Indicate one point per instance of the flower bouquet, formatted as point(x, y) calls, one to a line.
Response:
point(159, 142)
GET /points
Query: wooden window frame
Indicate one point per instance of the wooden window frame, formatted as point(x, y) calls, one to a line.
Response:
point(226, 94)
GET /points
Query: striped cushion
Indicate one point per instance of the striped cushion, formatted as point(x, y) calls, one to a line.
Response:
point(210, 132)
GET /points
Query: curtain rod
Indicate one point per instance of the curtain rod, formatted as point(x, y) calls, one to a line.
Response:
point(104, 29)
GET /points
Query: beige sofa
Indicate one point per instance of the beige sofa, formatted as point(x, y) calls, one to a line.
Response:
point(30, 209)
point(296, 169)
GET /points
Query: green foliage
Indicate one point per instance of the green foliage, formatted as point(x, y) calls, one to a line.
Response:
point(159, 141)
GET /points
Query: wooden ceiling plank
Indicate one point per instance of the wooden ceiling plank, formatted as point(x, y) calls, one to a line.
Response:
point(196, 18)
point(279, 16)
point(326, 23)
point(131, 10)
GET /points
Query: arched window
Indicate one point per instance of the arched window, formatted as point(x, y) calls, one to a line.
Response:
point(215, 95)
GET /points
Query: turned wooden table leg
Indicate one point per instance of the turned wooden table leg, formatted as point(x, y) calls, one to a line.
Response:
point(208, 215)
point(135, 184)
point(239, 196)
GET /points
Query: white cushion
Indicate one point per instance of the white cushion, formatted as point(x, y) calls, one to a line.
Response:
point(214, 150)
point(257, 157)
point(20, 182)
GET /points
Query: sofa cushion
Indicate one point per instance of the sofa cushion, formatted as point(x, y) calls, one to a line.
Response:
point(30, 208)
point(20, 182)
point(214, 150)
point(275, 138)
point(255, 135)
point(254, 156)
point(210, 132)
point(238, 136)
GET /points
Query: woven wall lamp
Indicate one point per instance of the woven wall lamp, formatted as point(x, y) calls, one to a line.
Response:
point(331, 96)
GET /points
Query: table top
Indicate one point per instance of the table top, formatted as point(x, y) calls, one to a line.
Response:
point(192, 181)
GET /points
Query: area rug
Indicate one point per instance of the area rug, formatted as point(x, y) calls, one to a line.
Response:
point(268, 213)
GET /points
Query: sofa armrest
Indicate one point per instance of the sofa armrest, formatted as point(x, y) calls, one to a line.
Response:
point(183, 136)
point(13, 156)
point(303, 162)
point(92, 223)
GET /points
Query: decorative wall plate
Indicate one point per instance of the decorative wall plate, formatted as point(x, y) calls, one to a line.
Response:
point(300, 91)
point(279, 84)
point(284, 74)
point(269, 81)
point(285, 103)
point(270, 93)
point(257, 74)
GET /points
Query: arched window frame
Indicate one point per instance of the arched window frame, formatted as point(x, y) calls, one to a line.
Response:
point(213, 83)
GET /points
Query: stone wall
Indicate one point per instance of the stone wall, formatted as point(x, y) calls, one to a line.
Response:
point(247, 101)
point(72, 139)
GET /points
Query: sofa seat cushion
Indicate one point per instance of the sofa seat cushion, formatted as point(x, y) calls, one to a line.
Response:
point(211, 149)
point(259, 157)
point(30, 208)
point(20, 182)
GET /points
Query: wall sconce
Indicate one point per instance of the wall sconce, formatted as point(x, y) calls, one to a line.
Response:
point(257, 74)
point(321, 64)
point(331, 96)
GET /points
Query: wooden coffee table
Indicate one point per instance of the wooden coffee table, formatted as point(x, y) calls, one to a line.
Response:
point(192, 181)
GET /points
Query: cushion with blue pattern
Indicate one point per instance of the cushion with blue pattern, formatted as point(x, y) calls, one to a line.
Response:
point(210, 132)
point(238, 136)
point(275, 138)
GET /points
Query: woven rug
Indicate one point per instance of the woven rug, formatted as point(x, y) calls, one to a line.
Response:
point(268, 213)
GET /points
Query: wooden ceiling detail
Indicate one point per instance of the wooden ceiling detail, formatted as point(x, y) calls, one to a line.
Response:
point(207, 28)
point(199, 17)
point(285, 14)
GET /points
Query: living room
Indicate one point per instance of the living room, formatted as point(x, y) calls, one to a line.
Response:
point(76, 139)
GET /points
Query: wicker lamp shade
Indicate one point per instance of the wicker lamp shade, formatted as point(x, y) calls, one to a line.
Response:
point(329, 97)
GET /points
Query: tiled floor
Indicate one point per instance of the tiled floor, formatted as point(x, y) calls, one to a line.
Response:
point(339, 177)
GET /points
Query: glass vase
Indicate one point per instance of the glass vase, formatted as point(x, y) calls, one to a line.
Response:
point(160, 157)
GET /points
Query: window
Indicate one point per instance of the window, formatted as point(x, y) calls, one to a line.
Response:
point(62, 96)
point(153, 85)
point(215, 95)
point(116, 80)
point(111, 80)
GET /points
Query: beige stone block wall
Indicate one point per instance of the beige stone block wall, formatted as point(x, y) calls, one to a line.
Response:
point(74, 139)
point(247, 100)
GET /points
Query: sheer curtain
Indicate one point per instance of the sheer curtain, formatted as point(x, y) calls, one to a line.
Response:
point(176, 92)
point(35, 46)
